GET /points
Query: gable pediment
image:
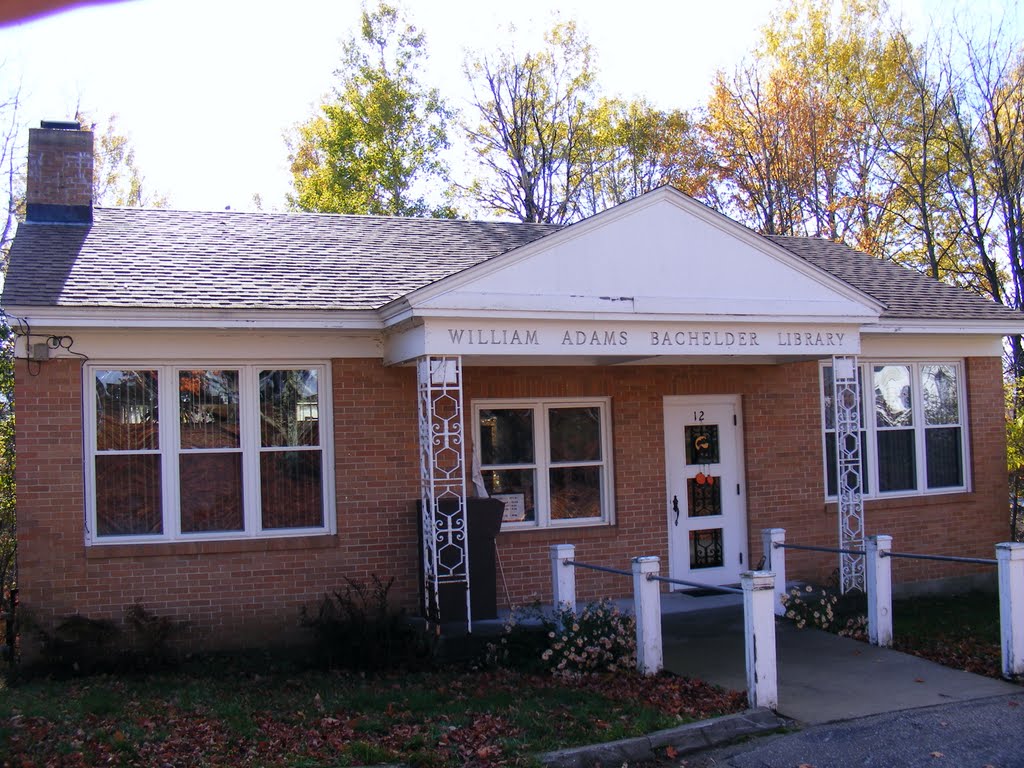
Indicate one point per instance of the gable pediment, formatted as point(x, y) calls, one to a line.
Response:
point(662, 255)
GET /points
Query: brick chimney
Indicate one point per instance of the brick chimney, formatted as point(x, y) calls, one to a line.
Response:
point(59, 187)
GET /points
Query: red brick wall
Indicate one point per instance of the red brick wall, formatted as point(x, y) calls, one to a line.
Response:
point(249, 592)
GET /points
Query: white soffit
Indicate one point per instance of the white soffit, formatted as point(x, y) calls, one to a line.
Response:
point(660, 255)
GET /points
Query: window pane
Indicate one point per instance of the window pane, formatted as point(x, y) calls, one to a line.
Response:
point(506, 436)
point(941, 395)
point(575, 492)
point(945, 463)
point(289, 409)
point(517, 484)
point(892, 396)
point(575, 434)
point(897, 469)
point(126, 411)
point(211, 492)
point(208, 409)
point(828, 397)
point(290, 489)
point(128, 495)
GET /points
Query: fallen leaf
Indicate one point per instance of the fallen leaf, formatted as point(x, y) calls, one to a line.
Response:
point(918, 680)
point(937, 754)
point(670, 752)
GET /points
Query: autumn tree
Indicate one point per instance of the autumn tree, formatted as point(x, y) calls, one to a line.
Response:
point(635, 148)
point(530, 127)
point(375, 146)
point(11, 170)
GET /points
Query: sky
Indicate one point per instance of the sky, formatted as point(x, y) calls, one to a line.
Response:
point(206, 89)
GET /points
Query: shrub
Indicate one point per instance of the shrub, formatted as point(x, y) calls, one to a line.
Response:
point(358, 629)
point(843, 615)
point(600, 638)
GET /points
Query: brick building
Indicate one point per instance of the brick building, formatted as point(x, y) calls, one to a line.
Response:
point(222, 415)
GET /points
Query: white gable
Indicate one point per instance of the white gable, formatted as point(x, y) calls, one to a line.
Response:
point(660, 256)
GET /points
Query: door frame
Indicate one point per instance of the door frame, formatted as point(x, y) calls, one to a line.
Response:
point(682, 402)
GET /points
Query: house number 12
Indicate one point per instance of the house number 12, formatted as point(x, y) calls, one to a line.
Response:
point(698, 416)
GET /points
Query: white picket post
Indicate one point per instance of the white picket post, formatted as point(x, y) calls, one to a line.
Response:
point(879, 583)
point(1010, 558)
point(563, 577)
point(775, 561)
point(647, 605)
point(759, 631)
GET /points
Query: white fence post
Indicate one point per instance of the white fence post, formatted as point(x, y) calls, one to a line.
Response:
point(759, 631)
point(879, 577)
point(647, 605)
point(563, 577)
point(775, 561)
point(1010, 557)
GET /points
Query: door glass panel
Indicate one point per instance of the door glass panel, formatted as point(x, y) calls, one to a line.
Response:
point(704, 498)
point(702, 444)
point(706, 548)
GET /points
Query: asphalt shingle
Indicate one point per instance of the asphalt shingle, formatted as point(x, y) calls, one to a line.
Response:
point(148, 259)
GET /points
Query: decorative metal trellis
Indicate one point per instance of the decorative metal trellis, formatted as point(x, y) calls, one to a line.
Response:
point(442, 480)
point(848, 466)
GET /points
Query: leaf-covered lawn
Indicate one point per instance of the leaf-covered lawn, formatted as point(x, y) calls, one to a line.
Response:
point(960, 631)
point(488, 718)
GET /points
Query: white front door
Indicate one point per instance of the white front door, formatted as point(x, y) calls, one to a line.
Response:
point(707, 511)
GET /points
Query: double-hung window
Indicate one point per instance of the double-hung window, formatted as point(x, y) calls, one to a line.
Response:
point(913, 436)
point(187, 452)
point(548, 460)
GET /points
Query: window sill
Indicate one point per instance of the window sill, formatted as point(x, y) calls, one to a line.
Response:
point(905, 502)
point(209, 547)
point(582, 530)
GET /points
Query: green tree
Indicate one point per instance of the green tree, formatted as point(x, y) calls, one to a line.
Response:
point(531, 128)
point(117, 180)
point(376, 146)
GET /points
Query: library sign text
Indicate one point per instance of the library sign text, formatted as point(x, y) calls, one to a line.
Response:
point(646, 338)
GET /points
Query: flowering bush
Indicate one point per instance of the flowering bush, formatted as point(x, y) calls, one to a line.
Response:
point(600, 638)
point(843, 616)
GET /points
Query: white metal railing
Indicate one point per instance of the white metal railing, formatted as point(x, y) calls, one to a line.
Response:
point(758, 589)
point(1009, 560)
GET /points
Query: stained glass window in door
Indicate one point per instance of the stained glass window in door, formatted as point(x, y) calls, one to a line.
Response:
point(702, 444)
point(704, 498)
point(706, 548)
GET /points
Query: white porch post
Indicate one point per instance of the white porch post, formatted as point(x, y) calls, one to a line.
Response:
point(775, 561)
point(1010, 560)
point(879, 574)
point(647, 604)
point(759, 638)
point(846, 392)
point(442, 480)
point(563, 577)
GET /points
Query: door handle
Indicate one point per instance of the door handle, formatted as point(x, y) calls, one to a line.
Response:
point(675, 508)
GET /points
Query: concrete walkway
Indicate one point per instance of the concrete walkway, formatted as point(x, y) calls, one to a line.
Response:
point(822, 677)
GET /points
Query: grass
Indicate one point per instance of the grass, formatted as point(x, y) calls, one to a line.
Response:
point(225, 715)
point(960, 631)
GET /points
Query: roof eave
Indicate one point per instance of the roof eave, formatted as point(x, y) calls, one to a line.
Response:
point(113, 317)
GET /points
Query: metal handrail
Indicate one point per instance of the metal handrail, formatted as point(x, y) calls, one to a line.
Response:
point(778, 545)
point(597, 567)
point(941, 558)
point(652, 577)
point(716, 587)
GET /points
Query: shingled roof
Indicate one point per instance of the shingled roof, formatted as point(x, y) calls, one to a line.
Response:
point(148, 259)
point(134, 258)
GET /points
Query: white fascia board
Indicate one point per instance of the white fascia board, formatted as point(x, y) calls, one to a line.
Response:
point(107, 317)
point(959, 326)
point(625, 317)
point(697, 210)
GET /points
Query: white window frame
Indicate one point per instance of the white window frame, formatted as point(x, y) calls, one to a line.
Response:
point(170, 450)
point(869, 445)
point(542, 464)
